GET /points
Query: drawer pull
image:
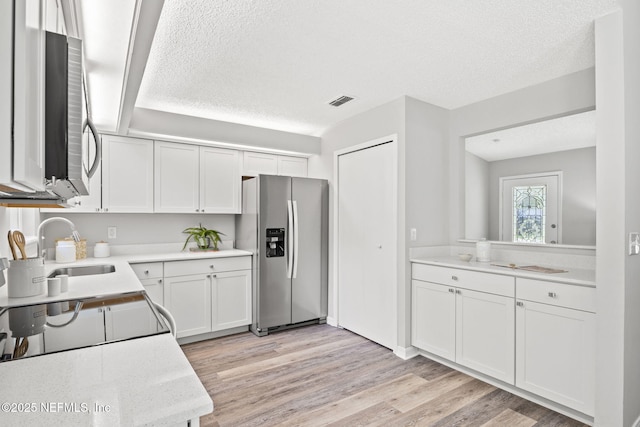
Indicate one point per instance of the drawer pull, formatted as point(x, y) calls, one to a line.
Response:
point(146, 272)
point(552, 295)
point(451, 290)
point(454, 278)
point(211, 266)
point(458, 291)
point(520, 304)
point(160, 281)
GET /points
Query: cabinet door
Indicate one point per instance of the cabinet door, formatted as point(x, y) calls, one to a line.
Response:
point(230, 300)
point(485, 328)
point(220, 180)
point(129, 320)
point(259, 163)
point(155, 290)
point(188, 298)
point(555, 354)
point(292, 166)
point(86, 330)
point(176, 177)
point(127, 174)
point(28, 97)
point(433, 318)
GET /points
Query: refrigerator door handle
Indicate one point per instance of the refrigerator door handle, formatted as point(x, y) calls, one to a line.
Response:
point(290, 226)
point(295, 239)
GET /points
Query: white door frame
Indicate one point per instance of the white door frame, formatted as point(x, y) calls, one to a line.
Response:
point(336, 179)
point(530, 175)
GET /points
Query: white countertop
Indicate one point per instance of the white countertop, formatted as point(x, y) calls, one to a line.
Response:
point(144, 381)
point(120, 281)
point(573, 276)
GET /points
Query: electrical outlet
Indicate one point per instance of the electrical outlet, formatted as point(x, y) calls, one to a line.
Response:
point(112, 232)
point(634, 243)
point(414, 234)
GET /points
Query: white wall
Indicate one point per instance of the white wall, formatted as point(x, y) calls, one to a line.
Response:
point(136, 228)
point(565, 95)
point(422, 131)
point(617, 273)
point(476, 197)
point(578, 190)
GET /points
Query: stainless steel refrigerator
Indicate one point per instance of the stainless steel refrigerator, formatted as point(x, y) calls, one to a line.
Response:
point(284, 223)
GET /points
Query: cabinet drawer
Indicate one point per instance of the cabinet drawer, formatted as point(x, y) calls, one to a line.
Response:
point(474, 280)
point(148, 270)
point(197, 266)
point(559, 294)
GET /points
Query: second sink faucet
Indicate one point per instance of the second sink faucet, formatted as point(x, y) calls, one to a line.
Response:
point(41, 250)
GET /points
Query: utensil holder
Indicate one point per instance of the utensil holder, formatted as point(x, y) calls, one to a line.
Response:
point(25, 278)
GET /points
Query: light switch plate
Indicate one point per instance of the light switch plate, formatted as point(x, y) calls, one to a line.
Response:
point(414, 234)
point(634, 243)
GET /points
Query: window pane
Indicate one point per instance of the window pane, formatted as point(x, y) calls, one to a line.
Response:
point(529, 204)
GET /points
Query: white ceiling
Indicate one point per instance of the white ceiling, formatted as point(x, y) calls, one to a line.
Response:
point(561, 134)
point(276, 63)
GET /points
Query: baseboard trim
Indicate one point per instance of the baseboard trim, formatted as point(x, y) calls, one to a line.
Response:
point(406, 353)
point(210, 335)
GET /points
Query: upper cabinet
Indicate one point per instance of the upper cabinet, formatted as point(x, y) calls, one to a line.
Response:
point(127, 174)
point(196, 179)
point(270, 164)
point(22, 156)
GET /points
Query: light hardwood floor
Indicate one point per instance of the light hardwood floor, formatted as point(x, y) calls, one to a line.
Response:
point(320, 375)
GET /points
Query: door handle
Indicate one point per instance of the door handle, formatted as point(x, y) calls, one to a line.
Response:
point(98, 143)
point(295, 239)
point(290, 239)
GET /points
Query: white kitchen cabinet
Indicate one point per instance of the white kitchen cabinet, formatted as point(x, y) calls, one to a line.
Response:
point(176, 177)
point(127, 174)
point(555, 345)
point(433, 320)
point(208, 295)
point(150, 275)
point(485, 333)
point(270, 164)
point(230, 299)
point(466, 317)
point(22, 142)
point(189, 179)
point(188, 299)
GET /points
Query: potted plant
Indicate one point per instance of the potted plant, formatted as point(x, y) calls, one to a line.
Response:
point(206, 239)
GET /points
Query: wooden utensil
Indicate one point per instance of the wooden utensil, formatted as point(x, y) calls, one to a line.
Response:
point(11, 245)
point(21, 242)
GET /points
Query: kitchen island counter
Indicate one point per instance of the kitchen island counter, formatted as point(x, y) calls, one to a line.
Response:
point(146, 381)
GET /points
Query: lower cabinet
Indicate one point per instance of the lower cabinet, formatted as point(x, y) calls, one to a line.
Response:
point(472, 328)
point(534, 334)
point(208, 302)
point(555, 345)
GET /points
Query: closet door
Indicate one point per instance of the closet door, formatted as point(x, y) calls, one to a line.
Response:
point(367, 239)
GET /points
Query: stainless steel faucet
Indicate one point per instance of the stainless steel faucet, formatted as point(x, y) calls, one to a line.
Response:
point(41, 251)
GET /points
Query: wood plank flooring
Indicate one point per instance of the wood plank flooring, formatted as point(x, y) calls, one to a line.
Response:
point(320, 375)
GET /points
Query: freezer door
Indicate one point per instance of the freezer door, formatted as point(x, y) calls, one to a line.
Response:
point(273, 286)
point(309, 286)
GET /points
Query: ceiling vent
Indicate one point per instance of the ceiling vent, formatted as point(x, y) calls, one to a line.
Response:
point(341, 100)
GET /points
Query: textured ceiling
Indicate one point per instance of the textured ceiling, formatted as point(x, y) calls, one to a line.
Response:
point(565, 133)
point(276, 63)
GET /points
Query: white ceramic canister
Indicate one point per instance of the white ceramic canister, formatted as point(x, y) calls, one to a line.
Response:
point(101, 250)
point(65, 251)
point(25, 278)
point(483, 251)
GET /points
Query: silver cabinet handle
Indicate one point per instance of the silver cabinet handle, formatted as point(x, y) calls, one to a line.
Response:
point(201, 210)
point(146, 272)
point(458, 291)
point(211, 266)
point(451, 290)
point(160, 281)
point(520, 304)
point(214, 275)
point(454, 278)
point(552, 295)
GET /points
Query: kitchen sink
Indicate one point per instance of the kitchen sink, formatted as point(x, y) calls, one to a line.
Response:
point(87, 270)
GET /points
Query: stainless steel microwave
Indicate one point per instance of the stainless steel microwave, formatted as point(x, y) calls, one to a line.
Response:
point(67, 166)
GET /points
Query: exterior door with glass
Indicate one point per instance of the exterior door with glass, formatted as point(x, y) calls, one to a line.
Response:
point(530, 209)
